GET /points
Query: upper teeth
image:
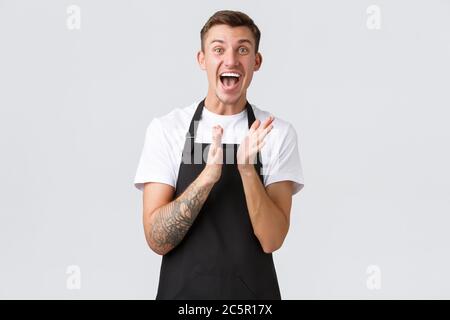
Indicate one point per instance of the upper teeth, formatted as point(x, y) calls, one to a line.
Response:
point(230, 74)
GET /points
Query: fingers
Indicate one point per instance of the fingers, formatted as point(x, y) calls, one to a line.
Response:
point(261, 144)
point(217, 133)
point(259, 131)
point(267, 122)
point(215, 148)
point(255, 125)
point(264, 132)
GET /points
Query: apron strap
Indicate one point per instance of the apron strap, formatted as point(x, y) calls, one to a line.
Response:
point(193, 126)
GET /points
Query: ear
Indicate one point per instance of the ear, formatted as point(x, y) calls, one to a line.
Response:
point(258, 61)
point(201, 59)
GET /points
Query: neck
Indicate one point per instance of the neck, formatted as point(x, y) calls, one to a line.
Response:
point(213, 104)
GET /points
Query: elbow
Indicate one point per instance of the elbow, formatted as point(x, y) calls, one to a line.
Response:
point(272, 247)
point(271, 243)
point(157, 250)
point(150, 239)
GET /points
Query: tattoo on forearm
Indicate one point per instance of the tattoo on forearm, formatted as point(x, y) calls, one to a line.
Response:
point(172, 221)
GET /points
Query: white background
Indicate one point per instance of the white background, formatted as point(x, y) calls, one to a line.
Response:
point(370, 106)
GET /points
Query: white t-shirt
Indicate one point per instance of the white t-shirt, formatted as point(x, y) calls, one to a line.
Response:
point(165, 137)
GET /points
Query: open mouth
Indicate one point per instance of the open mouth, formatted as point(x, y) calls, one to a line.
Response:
point(230, 80)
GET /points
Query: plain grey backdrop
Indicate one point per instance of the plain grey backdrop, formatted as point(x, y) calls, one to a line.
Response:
point(370, 106)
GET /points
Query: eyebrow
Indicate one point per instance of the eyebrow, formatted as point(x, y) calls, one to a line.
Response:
point(245, 41)
point(239, 41)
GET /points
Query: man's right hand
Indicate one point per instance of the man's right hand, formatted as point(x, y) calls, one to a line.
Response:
point(213, 168)
point(167, 220)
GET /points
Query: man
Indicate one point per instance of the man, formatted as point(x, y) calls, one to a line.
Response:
point(217, 181)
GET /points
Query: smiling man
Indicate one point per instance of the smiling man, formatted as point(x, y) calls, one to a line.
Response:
point(216, 218)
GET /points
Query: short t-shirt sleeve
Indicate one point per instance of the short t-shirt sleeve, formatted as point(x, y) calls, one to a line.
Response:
point(284, 162)
point(155, 164)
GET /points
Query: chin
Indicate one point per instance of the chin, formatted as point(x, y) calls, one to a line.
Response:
point(228, 98)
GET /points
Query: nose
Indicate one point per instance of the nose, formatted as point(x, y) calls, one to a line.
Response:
point(231, 59)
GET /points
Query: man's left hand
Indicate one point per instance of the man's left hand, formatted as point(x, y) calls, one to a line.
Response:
point(252, 143)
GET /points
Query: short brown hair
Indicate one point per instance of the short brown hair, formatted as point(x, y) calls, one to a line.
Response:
point(232, 19)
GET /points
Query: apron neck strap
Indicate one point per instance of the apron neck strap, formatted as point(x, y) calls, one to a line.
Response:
point(193, 126)
point(198, 115)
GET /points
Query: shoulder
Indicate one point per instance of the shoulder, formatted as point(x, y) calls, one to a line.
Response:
point(177, 119)
point(280, 126)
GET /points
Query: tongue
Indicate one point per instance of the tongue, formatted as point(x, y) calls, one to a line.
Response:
point(229, 81)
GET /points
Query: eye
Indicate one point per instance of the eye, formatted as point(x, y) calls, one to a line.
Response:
point(218, 50)
point(243, 50)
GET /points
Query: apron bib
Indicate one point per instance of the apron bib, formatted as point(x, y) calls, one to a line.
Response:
point(219, 257)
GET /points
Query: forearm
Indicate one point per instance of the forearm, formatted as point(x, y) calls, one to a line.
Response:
point(169, 224)
point(269, 223)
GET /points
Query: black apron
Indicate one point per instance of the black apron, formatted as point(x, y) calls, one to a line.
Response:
point(219, 257)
